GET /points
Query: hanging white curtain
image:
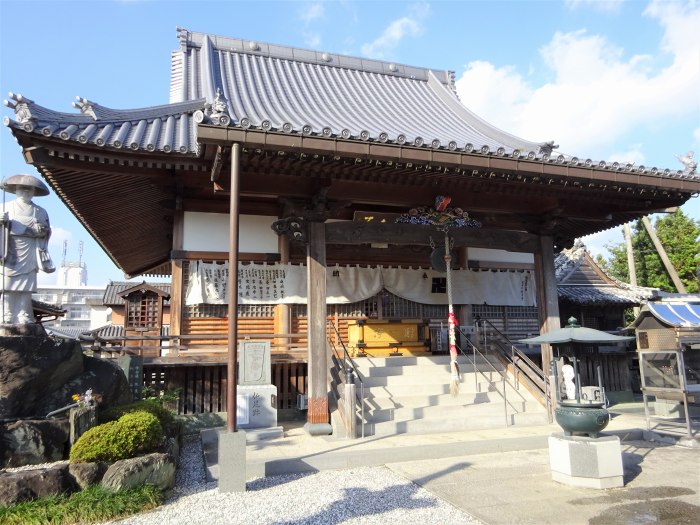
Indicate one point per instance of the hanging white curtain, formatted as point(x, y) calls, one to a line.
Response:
point(505, 288)
point(286, 284)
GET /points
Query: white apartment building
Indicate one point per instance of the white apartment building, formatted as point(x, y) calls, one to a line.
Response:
point(83, 303)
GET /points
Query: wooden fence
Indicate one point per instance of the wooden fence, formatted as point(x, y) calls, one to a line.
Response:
point(203, 385)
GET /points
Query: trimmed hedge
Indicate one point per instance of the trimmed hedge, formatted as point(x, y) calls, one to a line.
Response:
point(152, 406)
point(132, 434)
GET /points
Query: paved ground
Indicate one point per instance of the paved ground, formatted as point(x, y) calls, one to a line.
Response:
point(502, 476)
point(662, 485)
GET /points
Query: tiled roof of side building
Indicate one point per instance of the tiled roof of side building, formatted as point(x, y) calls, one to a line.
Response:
point(112, 297)
point(581, 280)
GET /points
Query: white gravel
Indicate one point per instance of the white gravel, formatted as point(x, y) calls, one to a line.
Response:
point(366, 495)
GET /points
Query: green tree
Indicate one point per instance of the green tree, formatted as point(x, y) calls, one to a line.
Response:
point(680, 237)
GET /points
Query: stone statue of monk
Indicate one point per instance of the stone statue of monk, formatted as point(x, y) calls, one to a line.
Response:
point(25, 236)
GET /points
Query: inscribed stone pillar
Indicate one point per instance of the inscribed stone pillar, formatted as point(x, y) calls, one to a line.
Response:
point(317, 420)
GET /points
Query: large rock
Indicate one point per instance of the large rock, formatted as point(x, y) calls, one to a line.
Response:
point(103, 376)
point(32, 442)
point(155, 469)
point(86, 474)
point(31, 367)
point(24, 485)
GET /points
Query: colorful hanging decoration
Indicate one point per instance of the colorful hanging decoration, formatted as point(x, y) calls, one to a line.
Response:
point(444, 218)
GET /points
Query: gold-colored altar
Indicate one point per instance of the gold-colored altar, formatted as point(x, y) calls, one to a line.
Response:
point(379, 338)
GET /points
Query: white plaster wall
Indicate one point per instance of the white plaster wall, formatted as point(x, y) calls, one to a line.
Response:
point(502, 256)
point(210, 231)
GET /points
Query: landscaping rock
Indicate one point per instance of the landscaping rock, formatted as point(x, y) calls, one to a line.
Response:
point(172, 448)
point(86, 474)
point(154, 469)
point(25, 485)
point(106, 379)
point(33, 442)
point(32, 367)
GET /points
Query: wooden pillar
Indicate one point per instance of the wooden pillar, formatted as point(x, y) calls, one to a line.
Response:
point(231, 375)
point(176, 282)
point(283, 312)
point(547, 300)
point(317, 421)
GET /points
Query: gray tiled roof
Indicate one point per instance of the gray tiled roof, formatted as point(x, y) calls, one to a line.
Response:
point(580, 280)
point(112, 297)
point(166, 129)
point(273, 87)
point(251, 85)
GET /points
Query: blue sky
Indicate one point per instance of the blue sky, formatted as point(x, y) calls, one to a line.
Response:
point(605, 79)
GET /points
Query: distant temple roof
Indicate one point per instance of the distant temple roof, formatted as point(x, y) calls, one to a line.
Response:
point(581, 280)
point(112, 295)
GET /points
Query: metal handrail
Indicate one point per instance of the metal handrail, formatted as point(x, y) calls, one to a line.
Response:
point(352, 374)
point(504, 379)
point(518, 368)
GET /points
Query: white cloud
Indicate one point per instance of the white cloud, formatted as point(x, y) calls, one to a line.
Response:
point(395, 32)
point(597, 94)
point(598, 242)
point(633, 154)
point(58, 235)
point(312, 39)
point(612, 6)
point(312, 11)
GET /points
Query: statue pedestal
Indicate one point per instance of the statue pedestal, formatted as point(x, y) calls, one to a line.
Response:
point(257, 406)
point(22, 330)
point(586, 462)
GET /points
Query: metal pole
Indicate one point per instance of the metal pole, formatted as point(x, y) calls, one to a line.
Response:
point(576, 379)
point(684, 389)
point(5, 245)
point(231, 369)
point(454, 367)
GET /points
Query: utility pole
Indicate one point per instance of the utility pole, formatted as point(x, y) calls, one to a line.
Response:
point(630, 261)
point(664, 257)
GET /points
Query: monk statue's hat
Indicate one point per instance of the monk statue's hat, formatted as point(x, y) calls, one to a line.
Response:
point(11, 183)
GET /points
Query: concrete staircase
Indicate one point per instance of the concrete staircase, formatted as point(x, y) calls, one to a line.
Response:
point(411, 395)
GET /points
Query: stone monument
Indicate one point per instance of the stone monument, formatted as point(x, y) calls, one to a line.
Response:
point(257, 396)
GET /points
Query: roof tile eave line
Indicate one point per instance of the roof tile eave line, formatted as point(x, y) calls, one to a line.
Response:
point(484, 127)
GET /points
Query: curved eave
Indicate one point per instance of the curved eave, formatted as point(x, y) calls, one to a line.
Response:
point(163, 129)
point(123, 198)
point(587, 295)
point(546, 170)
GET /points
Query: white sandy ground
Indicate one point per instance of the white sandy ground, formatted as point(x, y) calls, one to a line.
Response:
point(365, 495)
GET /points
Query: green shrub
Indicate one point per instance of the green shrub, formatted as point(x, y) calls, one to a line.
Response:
point(152, 406)
point(131, 434)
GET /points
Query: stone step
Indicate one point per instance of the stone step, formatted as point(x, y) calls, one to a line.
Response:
point(405, 361)
point(475, 408)
point(423, 370)
point(432, 377)
point(436, 425)
point(467, 385)
point(417, 401)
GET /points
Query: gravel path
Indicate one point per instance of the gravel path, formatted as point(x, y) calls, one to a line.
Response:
point(366, 495)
